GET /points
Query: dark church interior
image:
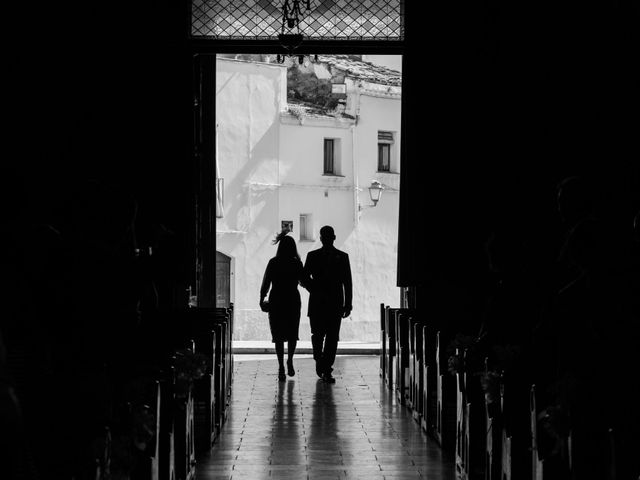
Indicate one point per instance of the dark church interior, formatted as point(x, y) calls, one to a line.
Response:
point(518, 251)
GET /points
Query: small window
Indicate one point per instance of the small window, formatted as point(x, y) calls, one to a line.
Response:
point(329, 156)
point(306, 227)
point(385, 141)
point(287, 225)
point(384, 157)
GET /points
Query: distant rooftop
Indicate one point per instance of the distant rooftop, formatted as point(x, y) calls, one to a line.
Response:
point(367, 71)
point(350, 65)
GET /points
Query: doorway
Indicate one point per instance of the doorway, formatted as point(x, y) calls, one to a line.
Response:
point(299, 143)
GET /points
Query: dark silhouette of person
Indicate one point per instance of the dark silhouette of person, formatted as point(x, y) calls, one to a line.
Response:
point(281, 278)
point(329, 301)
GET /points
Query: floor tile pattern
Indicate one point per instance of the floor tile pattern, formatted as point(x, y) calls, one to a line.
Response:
point(305, 429)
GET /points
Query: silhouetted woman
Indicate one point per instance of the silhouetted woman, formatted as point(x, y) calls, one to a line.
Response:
point(281, 278)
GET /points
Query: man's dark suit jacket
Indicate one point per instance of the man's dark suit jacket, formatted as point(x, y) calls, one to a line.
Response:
point(331, 290)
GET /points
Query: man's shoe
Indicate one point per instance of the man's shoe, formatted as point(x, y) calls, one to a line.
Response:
point(319, 371)
point(328, 378)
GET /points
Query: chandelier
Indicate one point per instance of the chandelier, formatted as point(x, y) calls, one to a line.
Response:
point(291, 13)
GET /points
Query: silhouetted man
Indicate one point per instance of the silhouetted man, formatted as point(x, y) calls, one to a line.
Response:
point(329, 300)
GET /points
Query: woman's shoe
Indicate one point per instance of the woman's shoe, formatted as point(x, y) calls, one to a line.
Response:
point(290, 370)
point(281, 376)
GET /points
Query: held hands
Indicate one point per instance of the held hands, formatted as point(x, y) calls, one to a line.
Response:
point(264, 305)
point(346, 312)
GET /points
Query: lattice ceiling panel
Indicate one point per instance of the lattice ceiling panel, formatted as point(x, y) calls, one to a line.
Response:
point(326, 20)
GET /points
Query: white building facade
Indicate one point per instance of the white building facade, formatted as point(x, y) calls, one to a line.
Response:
point(281, 164)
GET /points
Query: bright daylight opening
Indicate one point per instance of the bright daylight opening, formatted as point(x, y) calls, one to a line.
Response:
point(303, 142)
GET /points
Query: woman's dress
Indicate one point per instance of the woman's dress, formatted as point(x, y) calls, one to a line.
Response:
point(281, 279)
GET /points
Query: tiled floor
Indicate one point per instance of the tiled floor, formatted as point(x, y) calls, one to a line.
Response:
point(304, 429)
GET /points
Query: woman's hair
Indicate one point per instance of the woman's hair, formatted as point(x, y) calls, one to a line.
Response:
point(286, 246)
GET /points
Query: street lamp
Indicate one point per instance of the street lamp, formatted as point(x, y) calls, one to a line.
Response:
point(375, 191)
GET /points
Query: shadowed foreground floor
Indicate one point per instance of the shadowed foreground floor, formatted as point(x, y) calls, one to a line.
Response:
point(304, 429)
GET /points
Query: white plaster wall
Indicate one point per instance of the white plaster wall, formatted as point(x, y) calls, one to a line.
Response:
point(302, 151)
point(373, 243)
point(249, 99)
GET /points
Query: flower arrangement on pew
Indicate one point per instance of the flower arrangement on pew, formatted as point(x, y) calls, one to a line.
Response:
point(132, 442)
point(143, 424)
point(189, 366)
point(455, 362)
point(554, 423)
point(490, 383)
point(502, 357)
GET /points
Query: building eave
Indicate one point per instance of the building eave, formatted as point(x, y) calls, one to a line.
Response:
point(307, 120)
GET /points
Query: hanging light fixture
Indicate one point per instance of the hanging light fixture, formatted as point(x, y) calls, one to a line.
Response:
point(291, 16)
point(291, 13)
point(375, 191)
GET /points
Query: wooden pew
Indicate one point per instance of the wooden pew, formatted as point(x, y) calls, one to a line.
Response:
point(390, 357)
point(506, 439)
point(155, 455)
point(445, 427)
point(102, 445)
point(612, 471)
point(493, 438)
point(429, 380)
point(166, 335)
point(417, 369)
point(183, 428)
point(212, 329)
point(515, 426)
point(462, 421)
point(403, 323)
point(148, 406)
point(383, 341)
point(208, 398)
point(166, 440)
point(222, 367)
point(228, 352)
point(176, 442)
point(537, 465)
point(409, 401)
point(204, 395)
